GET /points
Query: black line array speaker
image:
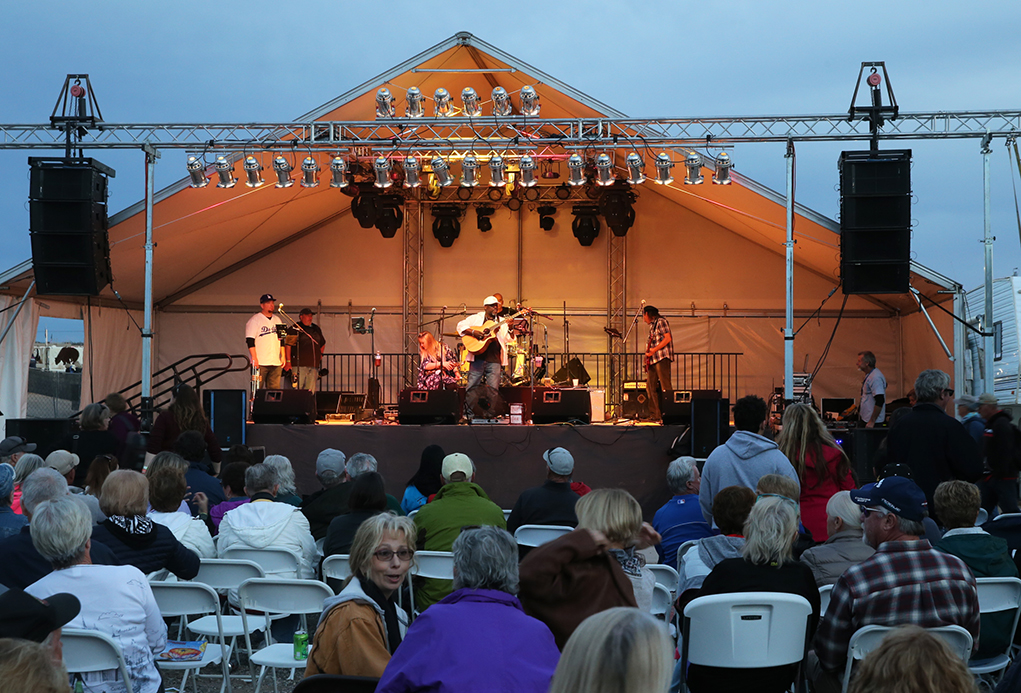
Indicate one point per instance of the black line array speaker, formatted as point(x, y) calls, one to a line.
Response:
point(45, 433)
point(550, 405)
point(284, 407)
point(707, 418)
point(226, 410)
point(875, 221)
point(429, 407)
point(68, 225)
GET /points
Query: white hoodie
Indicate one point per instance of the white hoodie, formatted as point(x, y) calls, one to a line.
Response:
point(269, 525)
point(190, 531)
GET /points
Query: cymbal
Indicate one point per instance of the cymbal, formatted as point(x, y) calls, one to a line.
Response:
point(451, 334)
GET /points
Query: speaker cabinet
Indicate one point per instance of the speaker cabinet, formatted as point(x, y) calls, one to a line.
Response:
point(284, 407)
point(550, 405)
point(423, 407)
point(707, 419)
point(226, 410)
point(572, 370)
point(45, 433)
point(636, 400)
point(875, 221)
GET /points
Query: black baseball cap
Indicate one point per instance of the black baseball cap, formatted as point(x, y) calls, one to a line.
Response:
point(305, 311)
point(24, 616)
point(266, 298)
point(14, 444)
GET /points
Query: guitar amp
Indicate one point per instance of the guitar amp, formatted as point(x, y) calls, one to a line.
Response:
point(636, 401)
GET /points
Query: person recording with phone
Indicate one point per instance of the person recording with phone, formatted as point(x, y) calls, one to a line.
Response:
point(488, 357)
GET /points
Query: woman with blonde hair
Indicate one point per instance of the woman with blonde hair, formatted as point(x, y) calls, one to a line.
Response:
point(620, 650)
point(822, 467)
point(27, 666)
point(438, 365)
point(912, 660)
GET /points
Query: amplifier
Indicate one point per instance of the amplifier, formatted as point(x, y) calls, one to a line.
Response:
point(708, 420)
point(636, 403)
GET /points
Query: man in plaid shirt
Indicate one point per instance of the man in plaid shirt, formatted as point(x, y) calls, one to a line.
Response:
point(905, 582)
point(659, 352)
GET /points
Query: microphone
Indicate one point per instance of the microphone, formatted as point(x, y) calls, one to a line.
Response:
point(643, 301)
point(280, 307)
point(444, 308)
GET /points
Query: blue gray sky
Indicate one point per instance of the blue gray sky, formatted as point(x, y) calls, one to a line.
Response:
point(272, 61)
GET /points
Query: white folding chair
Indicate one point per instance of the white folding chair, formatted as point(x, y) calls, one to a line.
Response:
point(506, 514)
point(222, 574)
point(683, 549)
point(279, 596)
point(868, 638)
point(537, 535)
point(274, 562)
point(661, 601)
point(666, 576)
point(86, 651)
point(431, 564)
point(982, 518)
point(412, 514)
point(183, 599)
point(997, 595)
point(824, 598)
point(744, 630)
point(337, 566)
point(1006, 516)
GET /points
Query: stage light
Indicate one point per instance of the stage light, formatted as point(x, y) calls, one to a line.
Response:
point(225, 170)
point(385, 104)
point(364, 208)
point(464, 193)
point(514, 204)
point(576, 170)
point(501, 102)
point(482, 220)
point(636, 169)
point(446, 224)
point(416, 103)
point(253, 172)
point(604, 170)
point(197, 171)
point(382, 167)
point(693, 162)
point(441, 169)
point(586, 224)
point(441, 103)
point(723, 166)
point(338, 168)
point(529, 101)
point(527, 168)
point(411, 170)
point(309, 173)
point(663, 168)
point(469, 171)
point(389, 215)
point(563, 192)
point(495, 194)
point(283, 170)
point(496, 171)
point(546, 219)
point(616, 207)
point(532, 194)
point(470, 103)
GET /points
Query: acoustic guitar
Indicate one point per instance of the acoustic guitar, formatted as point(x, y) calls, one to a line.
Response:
point(489, 330)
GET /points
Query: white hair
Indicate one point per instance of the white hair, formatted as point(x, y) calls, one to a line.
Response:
point(60, 530)
point(41, 485)
point(285, 474)
point(679, 473)
point(359, 463)
point(840, 505)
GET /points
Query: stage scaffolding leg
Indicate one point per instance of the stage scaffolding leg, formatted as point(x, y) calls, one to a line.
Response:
point(988, 319)
point(151, 155)
point(412, 313)
point(616, 316)
point(788, 330)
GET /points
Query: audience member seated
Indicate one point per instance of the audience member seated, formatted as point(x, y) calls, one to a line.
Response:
point(958, 503)
point(905, 582)
point(122, 422)
point(12, 448)
point(200, 476)
point(368, 498)
point(362, 626)
point(478, 638)
point(680, 519)
point(27, 665)
point(167, 489)
point(730, 509)
point(767, 565)
point(553, 502)
point(91, 441)
point(616, 514)
point(184, 414)
point(115, 600)
point(912, 660)
point(932, 530)
point(65, 463)
point(285, 473)
point(21, 564)
point(133, 537)
point(619, 650)
point(459, 503)
point(100, 468)
point(362, 463)
point(233, 482)
point(785, 487)
point(169, 460)
point(26, 617)
point(10, 522)
point(238, 453)
point(265, 524)
point(331, 500)
point(844, 548)
point(821, 465)
point(426, 481)
point(744, 458)
point(25, 465)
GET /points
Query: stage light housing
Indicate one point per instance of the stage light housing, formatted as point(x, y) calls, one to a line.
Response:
point(283, 170)
point(664, 165)
point(563, 192)
point(253, 172)
point(604, 170)
point(723, 166)
point(514, 204)
point(225, 171)
point(338, 170)
point(616, 207)
point(501, 102)
point(546, 220)
point(382, 166)
point(576, 170)
point(446, 224)
point(411, 171)
point(472, 107)
point(495, 194)
point(482, 220)
point(636, 169)
point(389, 215)
point(416, 103)
point(197, 172)
point(309, 173)
point(469, 171)
point(527, 169)
point(441, 103)
point(497, 169)
point(529, 101)
point(385, 107)
point(586, 224)
point(532, 194)
point(364, 208)
point(441, 169)
point(693, 162)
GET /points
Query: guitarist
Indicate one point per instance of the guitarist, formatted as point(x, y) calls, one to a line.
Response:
point(658, 354)
point(488, 363)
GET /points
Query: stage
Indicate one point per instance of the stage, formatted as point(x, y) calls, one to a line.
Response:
point(508, 457)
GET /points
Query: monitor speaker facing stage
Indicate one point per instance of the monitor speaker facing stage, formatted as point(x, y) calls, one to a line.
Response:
point(284, 407)
point(550, 405)
point(423, 407)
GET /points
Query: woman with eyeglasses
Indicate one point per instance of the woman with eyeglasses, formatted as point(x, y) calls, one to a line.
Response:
point(362, 626)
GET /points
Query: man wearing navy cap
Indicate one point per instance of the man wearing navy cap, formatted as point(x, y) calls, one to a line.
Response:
point(906, 582)
point(264, 344)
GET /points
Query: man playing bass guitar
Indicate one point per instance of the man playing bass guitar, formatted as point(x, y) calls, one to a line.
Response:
point(489, 361)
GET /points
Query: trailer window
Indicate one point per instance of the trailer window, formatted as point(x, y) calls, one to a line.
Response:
point(997, 340)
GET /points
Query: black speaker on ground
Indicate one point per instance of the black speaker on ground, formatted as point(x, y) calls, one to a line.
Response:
point(45, 433)
point(875, 221)
point(550, 405)
point(572, 370)
point(226, 410)
point(707, 419)
point(636, 400)
point(428, 407)
point(485, 403)
point(284, 407)
point(68, 225)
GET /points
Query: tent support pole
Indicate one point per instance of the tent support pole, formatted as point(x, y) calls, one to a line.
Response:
point(788, 330)
point(987, 322)
point(151, 154)
point(17, 312)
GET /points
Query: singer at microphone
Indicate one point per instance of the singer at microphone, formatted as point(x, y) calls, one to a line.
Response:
point(263, 339)
point(659, 353)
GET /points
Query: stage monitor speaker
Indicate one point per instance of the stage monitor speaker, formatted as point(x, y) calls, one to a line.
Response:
point(573, 369)
point(875, 221)
point(636, 400)
point(45, 433)
point(68, 225)
point(550, 405)
point(227, 411)
point(485, 403)
point(284, 407)
point(423, 407)
point(708, 419)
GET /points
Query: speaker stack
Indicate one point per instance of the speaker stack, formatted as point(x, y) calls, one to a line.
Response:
point(875, 221)
point(704, 412)
point(68, 224)
point(226, 411)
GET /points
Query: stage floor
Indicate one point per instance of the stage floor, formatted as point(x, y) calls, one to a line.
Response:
point(508, 458)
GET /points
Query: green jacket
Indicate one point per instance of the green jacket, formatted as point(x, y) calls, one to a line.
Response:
point(455, 505)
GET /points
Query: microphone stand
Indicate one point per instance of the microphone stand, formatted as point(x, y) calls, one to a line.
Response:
point(624, 339)
point(567, 334)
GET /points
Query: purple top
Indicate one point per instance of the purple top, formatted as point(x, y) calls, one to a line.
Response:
point(217, 512)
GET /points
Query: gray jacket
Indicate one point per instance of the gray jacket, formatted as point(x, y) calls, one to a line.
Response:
point(830, 559)
point(741, 461)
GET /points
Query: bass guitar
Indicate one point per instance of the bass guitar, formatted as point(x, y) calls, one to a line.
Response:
point(489, 330)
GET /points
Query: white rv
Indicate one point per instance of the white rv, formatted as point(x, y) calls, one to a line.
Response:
point(1006, 341)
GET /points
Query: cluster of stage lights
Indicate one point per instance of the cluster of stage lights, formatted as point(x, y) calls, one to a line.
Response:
point(443, 106)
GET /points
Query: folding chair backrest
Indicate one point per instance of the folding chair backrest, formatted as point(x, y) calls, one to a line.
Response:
point(537, 535)
point(185, 598)
point(661, 600)
point(337, 566)
point(665, 575)
point(824, 598)
point(279, 595)
point(434, 564)
point(278, 562)
point(683, 548)
point(746, 629)
point(867, 638)
point(227, 573)
point(89, 650)
point(997, 594)
point(506, 515)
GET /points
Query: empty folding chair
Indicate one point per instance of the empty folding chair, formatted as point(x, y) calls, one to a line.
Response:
point(997, 595)
point(222, 574)
point(537, 535)
point(183, 599)
point(87, 651)
point(274, 562)
point(431, 564)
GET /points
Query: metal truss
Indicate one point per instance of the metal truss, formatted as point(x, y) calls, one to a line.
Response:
point(519, 133)
point(413, 273)
point(616, 319)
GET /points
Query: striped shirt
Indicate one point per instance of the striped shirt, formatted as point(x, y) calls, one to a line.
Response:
point(658, 331)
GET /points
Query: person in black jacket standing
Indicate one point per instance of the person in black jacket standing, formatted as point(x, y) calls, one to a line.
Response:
point(932, 443)
point(999, 483)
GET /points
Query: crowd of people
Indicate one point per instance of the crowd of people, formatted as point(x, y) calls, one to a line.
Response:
point(765, 512)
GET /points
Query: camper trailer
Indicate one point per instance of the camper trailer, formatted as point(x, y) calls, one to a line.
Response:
point(1006, 341)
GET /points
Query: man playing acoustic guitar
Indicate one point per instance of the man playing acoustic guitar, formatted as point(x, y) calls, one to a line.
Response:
point(489, 357)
